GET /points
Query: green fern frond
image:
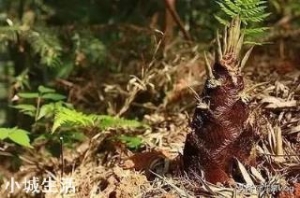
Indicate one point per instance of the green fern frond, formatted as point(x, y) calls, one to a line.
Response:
point(44, 42)
point(230, 12)
point(46, 45)
point(70, 117)
point(90, 46)
point(249, 11)
point(222, 21)
point(255, 30)
point(132, 142)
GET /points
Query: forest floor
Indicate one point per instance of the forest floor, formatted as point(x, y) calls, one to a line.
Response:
point(100, 168)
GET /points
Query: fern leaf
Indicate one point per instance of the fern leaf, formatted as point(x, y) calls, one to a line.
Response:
point(222, 21)
point(227, 10)
point(71, 117)
point(65, 116)
point(232, 6)
point(47, 45)
point(132, 142)
point(255, 30)
point(248, 12)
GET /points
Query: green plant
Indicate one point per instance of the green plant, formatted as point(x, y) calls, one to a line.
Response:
point(35, 45)
point(46, 101)
point(18, 136)
point(90, 47)
point(246, 14)
point(46, 44)
point(132, 142)
point(48, 104)
point(66, 118)
point(69, 117)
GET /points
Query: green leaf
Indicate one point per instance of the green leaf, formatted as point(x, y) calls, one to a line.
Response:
point(28, 95)
point(42, 89)
point(45, 110)
point(4, 133)
point(232, 5)
point(222, 21)
point(255, 30)
point(65, 116)
point(20, 136)
point(249, 11)
point(46, 44)
point(228, 11)
point(72, 118)
point(53, 96)
point(131, 142)
point(79, 136)
point(26, 109)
